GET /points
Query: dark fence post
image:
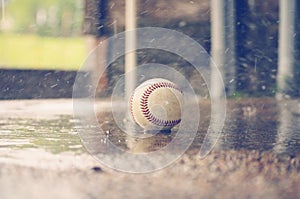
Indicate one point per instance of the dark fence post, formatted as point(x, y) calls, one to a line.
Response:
point(96, 29)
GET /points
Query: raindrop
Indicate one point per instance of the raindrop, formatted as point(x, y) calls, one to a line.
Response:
point(182, 23)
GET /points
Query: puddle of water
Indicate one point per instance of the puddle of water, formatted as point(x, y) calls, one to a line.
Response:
point(55, 135)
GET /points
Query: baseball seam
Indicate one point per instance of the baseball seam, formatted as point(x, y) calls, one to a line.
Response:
point(131, 105)
point(145, 109)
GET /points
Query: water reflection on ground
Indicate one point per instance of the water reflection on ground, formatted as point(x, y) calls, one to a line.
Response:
point(54, 135)
point(251, 124)
point(262, 124)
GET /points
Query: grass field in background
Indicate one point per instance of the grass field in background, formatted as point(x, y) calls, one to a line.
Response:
point(35, 52)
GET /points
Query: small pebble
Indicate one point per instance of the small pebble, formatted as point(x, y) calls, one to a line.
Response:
point(97, 169)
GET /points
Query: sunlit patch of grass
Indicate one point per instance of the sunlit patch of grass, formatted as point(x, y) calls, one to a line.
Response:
point(35, 52)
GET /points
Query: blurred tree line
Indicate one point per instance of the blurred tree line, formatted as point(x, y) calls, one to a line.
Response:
point(44, 17)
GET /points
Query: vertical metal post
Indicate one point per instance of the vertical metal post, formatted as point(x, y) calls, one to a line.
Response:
point(130, 47)
point(223, 45)
point(286, 47)
point(96, 31)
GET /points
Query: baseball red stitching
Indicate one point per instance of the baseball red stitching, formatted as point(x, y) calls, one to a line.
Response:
point(145, 109)
point(131, 105)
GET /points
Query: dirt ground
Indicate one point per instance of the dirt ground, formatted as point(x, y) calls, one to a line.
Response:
point(224, 174)
point(30, 168)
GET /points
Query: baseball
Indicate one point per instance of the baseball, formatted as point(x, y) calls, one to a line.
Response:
point(156, 104)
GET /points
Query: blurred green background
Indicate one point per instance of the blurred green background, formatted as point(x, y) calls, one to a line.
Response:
point(37, 34)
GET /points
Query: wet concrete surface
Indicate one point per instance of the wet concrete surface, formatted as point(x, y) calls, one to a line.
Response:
point(256, 156)
point(251, 124)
